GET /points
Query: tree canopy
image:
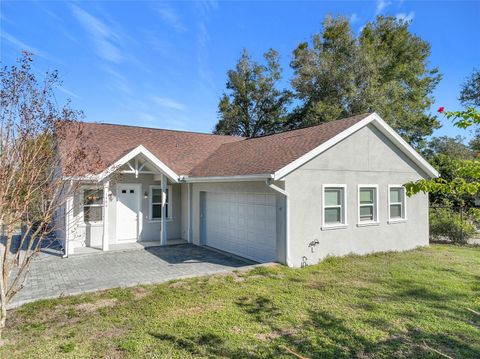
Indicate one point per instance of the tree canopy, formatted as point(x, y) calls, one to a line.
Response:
point(452, 147)
point(337, 74)
point(385, 69)
point(253, 105)
point(470, 93)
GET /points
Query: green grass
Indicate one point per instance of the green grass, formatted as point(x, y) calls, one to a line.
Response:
point(379, 306)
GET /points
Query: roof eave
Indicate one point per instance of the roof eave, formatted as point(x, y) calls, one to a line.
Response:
point(379, 123)
point(235, 178)
point(154, 160)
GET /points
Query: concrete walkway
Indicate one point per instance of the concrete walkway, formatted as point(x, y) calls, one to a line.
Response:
point(53, 276)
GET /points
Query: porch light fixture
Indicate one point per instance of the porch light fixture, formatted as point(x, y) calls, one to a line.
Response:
point(145, 195)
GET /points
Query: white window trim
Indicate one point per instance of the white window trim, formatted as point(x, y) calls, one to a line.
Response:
point(169, 204)
point(404, 205)
point(326, 226)
point(82, 200)
point(376, 220)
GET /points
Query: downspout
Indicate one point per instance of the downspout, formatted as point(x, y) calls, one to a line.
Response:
point(287, 218)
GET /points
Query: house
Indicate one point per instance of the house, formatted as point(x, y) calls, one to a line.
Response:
point(294, 197)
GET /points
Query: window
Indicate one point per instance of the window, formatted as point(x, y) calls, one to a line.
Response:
point(92, 205)
point(367, 204)
point(156, 203)
point(396, 203)
point(334, 211)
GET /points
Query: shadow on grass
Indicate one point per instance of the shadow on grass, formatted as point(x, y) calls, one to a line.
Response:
point(261, 308)
point(206, 344)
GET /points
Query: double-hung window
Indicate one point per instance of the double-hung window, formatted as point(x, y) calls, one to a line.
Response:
point(92, 205)
point(367, 204)
point(156, 203)
point(334, 210)
point(396, 203)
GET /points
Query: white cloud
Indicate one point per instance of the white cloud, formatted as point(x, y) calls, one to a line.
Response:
point(353, 18)
point(23, 46)
point(406, 17)
point(106, 41)
point(166, 102)
point(120, 81)
point(68, 92)
point(170, 17)
point(381, 5)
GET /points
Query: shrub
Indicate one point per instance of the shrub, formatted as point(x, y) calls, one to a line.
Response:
point(446, 223)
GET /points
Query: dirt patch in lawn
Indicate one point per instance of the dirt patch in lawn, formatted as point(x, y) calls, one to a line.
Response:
point(284, 332)
point(140, 292)
point(99, 304)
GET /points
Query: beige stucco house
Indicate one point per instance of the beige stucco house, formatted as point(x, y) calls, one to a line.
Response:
point(293, 197)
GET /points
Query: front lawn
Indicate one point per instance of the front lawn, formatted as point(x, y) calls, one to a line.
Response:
point(387, 305)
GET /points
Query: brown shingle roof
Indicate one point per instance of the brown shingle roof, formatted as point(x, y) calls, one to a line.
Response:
point(205, 155)
point(265, 155)
point(181, 151)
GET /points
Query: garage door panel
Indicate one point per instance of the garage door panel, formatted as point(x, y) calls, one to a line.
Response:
point(241, 223)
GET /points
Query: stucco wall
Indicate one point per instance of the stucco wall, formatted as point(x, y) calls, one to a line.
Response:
point(231, 187)
point(91, 235)
point(365, 157)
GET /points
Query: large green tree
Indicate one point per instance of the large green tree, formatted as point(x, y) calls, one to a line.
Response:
point(470, 97)
point(385, 69)
point(253, 104)
point(453, 147)
point(470, 93)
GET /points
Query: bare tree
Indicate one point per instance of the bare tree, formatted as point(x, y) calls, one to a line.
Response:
point(33, 183)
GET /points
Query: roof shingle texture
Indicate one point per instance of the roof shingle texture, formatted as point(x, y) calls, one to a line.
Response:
point(268, 154)
point(180, 151)
point(206, 155)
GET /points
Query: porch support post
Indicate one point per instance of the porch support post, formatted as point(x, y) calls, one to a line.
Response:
point(189, 192)
point(105, 239)
point(163, 228)
point(68, 222)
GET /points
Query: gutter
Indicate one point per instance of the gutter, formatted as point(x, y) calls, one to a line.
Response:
point(238, 178)
point(269, 183)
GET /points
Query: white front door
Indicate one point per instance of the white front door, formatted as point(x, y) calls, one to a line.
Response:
point(128, 208)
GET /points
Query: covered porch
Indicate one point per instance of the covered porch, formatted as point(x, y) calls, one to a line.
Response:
point(136, 203)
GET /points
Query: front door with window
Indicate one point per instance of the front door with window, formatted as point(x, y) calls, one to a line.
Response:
point(128, 208)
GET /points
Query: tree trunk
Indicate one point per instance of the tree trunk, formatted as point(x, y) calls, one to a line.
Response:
point(3, 306)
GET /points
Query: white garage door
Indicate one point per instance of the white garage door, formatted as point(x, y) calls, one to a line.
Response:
point(240, 223)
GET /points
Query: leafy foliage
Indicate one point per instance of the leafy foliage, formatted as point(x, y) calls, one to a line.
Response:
point(385, 70)
point(464, 119)
point(445, 223)
point(463, 176)
point(254, 106)
point(460, 178)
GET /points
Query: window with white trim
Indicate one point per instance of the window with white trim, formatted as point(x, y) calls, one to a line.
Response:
point(367, 204)
point(155, 199)
point(92, 205)
point(334, 213)
point(396, 201)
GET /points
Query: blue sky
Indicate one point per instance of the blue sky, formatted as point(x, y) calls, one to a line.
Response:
point(164, 64)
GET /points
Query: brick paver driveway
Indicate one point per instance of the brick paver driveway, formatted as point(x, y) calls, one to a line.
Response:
point(53, 276)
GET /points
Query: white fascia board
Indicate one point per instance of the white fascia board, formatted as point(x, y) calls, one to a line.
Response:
point(393, 136)
point(86, 178)
point(159, 165)
point(380, 124)
point(240, 178)
point(322, 148)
